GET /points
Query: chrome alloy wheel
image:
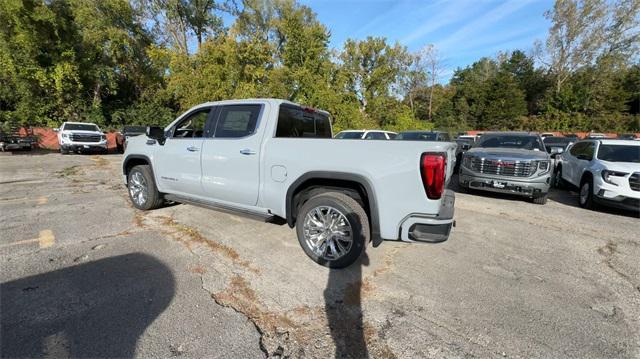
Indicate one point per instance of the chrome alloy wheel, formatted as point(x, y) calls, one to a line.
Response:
point(138, 188)
point(327, 233)
point(584, 192)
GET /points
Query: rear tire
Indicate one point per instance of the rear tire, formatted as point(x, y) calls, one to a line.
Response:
point(585, 197)
point(333, 229)
point(142, 189)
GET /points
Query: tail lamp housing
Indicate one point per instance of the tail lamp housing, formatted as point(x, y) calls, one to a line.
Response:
point(433, 169)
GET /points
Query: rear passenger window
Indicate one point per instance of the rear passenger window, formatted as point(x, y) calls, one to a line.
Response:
point(294, 121)
point(237, 121)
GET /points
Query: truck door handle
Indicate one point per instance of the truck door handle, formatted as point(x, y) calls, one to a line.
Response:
point(192, 148)
point(246, 151)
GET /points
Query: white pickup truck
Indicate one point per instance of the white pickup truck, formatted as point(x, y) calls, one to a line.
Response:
point(276, 160)
point(81, 136)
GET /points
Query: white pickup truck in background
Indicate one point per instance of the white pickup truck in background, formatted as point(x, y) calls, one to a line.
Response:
point(81, 136)
point(276, 160)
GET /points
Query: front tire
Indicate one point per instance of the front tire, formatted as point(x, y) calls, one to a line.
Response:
point(333, 229)
point(540, 199)
point(585, 199)
point(142, 189)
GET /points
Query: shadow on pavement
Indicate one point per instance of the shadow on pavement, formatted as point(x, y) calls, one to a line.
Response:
point(343, 307)
point(570, 198)
point(97, 309)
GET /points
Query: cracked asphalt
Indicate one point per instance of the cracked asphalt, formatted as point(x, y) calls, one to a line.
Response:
point(83, 274)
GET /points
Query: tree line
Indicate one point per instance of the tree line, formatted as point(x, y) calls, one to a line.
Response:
point(117, 62)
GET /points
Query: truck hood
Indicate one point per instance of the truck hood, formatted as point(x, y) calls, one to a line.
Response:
point(516, 154)
point(628, 167)
point(83, 132)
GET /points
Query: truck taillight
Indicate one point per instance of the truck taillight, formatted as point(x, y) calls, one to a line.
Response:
point(433, 170)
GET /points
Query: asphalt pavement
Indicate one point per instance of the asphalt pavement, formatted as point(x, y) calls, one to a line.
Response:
point(84, 274)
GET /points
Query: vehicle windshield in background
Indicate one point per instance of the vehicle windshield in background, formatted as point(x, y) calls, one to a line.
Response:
point(510, 141)
point(80, 127)
point(557, 140)
point(417, 136)
point(350, 135)
point(619, 153)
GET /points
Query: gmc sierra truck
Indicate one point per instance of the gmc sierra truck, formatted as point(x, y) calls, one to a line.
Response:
point(276, 161)
point(508, 162)
point(81, 136)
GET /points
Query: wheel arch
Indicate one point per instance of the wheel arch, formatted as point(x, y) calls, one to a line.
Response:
point(134, 160)
point(585, 175)
point(344, 181)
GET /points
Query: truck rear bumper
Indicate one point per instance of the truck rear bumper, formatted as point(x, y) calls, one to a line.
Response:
point(430, 228)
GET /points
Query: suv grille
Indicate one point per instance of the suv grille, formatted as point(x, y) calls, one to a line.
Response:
point(503, 168)
point(79, 137)
point(634, 181)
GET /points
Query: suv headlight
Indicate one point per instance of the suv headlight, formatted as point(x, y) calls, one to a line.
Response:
point(543, 166)
point(466, 161)
point(103, 137)
point(64, 135)
point(606, 176)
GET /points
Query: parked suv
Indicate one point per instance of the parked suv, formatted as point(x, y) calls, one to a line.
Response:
point(366, 135)
point(605, 171)
point(508, 162)
point(276, 161)
point(81, 136)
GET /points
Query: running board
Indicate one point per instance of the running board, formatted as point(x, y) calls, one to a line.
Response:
point(263, 217)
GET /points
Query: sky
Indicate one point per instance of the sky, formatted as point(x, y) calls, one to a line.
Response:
point(463, 31)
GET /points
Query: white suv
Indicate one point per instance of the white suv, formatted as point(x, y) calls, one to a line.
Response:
point(366, 135)
point(605, 171)
point(81, 136)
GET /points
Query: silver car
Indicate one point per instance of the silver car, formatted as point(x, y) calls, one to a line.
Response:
point(508, 162)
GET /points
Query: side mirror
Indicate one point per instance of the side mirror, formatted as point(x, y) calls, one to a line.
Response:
point(466, 147)
point(156, 133)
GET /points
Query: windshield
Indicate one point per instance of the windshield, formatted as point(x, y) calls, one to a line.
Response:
point(81, 127)
point(511, 141)
point(619, 153)
point(349, 135)
point(556, 140)
point(417, 136)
